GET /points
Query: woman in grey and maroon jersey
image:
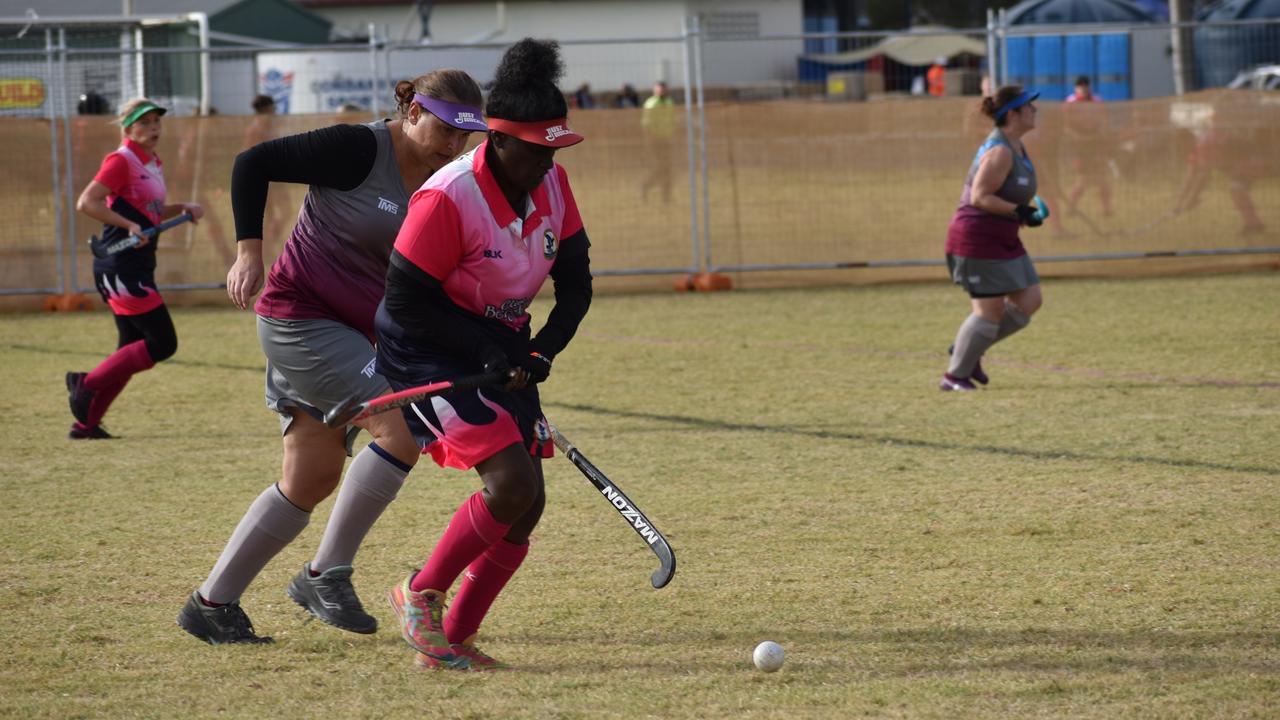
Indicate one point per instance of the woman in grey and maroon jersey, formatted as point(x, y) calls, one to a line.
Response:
point(127, 195)
point(984, 253)
point(315, 324)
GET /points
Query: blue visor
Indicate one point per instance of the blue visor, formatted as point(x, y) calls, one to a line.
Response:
point(1016, 103)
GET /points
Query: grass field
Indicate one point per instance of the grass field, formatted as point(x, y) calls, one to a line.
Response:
point(1095, 535)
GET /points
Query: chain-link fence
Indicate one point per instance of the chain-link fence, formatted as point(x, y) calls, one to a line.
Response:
point(819, 150)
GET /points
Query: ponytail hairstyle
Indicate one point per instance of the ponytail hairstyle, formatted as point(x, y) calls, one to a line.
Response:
point(992, 104)
point(525, 86)
point(447, 84)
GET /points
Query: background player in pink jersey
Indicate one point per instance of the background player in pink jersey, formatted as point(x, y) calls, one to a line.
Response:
point(1089, 145)
point(315, 324)
point(127, 195)
point(481, 238)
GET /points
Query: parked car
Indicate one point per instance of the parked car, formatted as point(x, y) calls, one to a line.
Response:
point(1263, 77)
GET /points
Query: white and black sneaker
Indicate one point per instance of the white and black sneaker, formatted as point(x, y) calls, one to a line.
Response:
point(331, 598)
point(224, 624)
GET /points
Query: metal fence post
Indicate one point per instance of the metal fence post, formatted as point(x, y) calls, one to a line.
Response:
point(992, 58)
point(690, 35)
point(53, 159)
point(373, 66)
point(702, 142)
point(68, 145)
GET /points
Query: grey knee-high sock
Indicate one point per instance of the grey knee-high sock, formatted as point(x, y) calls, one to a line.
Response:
point(1012, 321)
point(973, 339)
point(370, 485)
point(270, 523)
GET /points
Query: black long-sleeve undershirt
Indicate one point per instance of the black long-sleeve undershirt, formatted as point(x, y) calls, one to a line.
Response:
point(418, 303)
point(338, 157)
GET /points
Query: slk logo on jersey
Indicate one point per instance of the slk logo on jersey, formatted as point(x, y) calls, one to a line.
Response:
point(549, 245)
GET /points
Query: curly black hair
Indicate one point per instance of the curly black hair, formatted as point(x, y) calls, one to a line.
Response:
point(525, 86)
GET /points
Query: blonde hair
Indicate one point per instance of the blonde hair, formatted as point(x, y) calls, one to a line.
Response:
point(127, 109)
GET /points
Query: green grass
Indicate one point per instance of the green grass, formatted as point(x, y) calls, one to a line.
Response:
point(1095, 535)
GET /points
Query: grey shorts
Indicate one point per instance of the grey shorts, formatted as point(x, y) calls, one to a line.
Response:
point(992, 278)
point(313, 365)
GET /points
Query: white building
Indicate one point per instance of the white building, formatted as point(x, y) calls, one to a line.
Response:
point(604, 65)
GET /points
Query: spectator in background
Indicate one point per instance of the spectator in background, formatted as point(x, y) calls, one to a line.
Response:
point(260, 130)
point(582, 97)
point(627, 97)
point(937, 77)
point(1085, 125)
point(91, 103)
point(658, 120)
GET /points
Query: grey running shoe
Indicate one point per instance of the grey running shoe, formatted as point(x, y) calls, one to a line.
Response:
point(220, 625)
point(330, 597)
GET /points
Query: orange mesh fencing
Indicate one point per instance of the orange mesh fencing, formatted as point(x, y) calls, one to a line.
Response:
point(792, 184)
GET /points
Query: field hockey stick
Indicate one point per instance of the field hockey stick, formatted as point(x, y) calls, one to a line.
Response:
point(1152, 225)
point(133, 240)
point(353, 410)
point(627, 509)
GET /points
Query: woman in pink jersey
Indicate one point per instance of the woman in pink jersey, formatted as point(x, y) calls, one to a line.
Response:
point(127, 196)
point(481, 237)
point(315, 324)
point(984, 253)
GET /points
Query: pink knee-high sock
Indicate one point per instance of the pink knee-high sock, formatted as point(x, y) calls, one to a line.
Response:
point(102, 400)
point(480, 586)
point(120, 366)
point(472, 530)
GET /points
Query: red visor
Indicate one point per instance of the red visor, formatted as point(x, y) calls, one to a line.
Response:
point(549, 133)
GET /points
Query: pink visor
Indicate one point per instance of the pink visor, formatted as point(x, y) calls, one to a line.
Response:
point(463, 117)
point(548, 133)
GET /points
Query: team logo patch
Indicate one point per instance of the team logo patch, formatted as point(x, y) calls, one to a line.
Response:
point(541, 430)
point(549, 245)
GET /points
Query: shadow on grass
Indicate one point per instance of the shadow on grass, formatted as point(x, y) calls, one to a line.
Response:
point(705, 424)
point(99, 354)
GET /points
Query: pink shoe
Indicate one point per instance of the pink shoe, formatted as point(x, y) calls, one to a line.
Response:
point(463, 657)
point(421, 616)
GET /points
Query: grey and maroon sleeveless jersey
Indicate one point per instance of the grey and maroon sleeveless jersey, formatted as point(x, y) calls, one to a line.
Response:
point(979, 234)
point(334, 265)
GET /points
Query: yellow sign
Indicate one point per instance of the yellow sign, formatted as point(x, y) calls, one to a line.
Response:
point(21, 93)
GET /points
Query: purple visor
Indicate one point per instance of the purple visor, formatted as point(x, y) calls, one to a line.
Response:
point(463, 117)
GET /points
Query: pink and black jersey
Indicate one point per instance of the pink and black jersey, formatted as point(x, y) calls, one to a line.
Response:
point(491, 262)
point(136, 180)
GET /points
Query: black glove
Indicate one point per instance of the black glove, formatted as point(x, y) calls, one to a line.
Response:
point(495, 360)
point(1028, 216)
point(537, 365)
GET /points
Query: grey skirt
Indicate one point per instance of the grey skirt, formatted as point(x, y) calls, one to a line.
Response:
point(992, 278)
